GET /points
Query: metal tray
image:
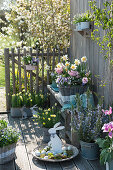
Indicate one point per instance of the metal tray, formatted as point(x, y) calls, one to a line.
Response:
point(75, 151)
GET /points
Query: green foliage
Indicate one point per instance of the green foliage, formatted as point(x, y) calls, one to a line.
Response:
point(48, 117)
point(84, 17)
point(103, 21)
point(28, 99)
point(2, 75)
point(17, 100)
point(106, 154)
point(87, 121)
point(8, 135)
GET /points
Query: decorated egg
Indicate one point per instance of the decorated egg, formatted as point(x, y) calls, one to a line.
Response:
point(43, 152)
point(45, 157)
point(65, 154)
point(37, 153)
point(64, 149)
point(69, 148)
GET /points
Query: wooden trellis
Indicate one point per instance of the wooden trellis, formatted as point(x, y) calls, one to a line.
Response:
point(13, 61)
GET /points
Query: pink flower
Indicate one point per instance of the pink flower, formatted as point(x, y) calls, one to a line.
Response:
point(84, 80)
point(107, 112)
point(59, 70)
point(73, 73)
point(108, 128)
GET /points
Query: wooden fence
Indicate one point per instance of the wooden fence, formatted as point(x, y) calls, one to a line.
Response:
point(85, 46)
point(13, 62)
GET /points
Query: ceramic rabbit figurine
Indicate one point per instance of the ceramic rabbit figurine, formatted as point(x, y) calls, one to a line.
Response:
point(55, 141)
point(34, 112)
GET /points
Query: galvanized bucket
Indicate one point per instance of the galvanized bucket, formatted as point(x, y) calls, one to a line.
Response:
point(89, 151)
point(7, 153)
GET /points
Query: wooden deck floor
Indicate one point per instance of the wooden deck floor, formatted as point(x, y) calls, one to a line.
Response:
point(31, 137)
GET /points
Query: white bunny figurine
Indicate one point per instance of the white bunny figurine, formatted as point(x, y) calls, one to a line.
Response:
point(34, 112)
point(55, 141)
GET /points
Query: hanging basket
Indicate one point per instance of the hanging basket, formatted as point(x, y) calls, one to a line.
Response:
point(85, 25)
point(7, 153)
point(31, 67)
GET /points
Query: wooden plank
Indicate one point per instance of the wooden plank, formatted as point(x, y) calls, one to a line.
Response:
point(31, 76)
point(13, 71)
point(68, 165)
point(53, 166)
point(53, 64)
point(7, 78)
point(59, 55)
point(48, 72)
point(96, 165)
point(81, 163)
point(22, 161)
point(43, 70)
point(37, 72)
point(25, 72)
point(8, 166)
point(31, 143)
point(19, 69)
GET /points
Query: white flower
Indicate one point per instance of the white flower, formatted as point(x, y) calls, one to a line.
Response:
point(84, 59)
point(47, 67)
point(77, 62)
point(59, 65)
point(65, 57)
point(73, 66)
point(67, 64)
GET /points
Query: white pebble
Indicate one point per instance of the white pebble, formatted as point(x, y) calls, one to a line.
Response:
point(45, 157)
point(64, 149)
point(69, 148)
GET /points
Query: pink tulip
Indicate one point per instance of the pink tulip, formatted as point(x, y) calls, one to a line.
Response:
point(107, 112)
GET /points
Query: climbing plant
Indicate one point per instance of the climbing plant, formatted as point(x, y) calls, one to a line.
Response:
point(103, 35)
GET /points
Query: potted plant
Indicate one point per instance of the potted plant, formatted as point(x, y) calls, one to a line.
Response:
point(8, 140)
point(87, 122)
point(82, 21)
point(74, 77)
point(48, 118)
point(54, 77)
point(16, 104)
point(106, 144)
point(30, 62)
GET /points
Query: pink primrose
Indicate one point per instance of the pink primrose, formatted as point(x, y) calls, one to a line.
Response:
point(73, 73)
point(84, 80)
point(59, 70)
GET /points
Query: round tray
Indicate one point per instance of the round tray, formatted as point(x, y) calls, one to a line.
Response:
point(75, 151)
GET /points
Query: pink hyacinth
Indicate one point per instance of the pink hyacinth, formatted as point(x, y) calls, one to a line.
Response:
point(59, 70)
point(73, 73)
point(84, 80)
point(108, 128)
point(107, 112)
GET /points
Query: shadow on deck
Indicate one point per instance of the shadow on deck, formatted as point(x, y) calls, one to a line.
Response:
point(31, 137)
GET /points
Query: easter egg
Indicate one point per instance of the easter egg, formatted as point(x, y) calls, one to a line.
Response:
point(43, 152)
point(69, 148)
point(64, 149)
point(37, 153)
point(45, 157)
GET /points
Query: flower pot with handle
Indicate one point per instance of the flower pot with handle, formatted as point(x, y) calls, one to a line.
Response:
point(85, 25)
point(7, 153)
point(89, 151)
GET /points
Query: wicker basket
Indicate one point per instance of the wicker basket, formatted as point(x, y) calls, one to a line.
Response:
point(67, 91)
point(7, 153)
